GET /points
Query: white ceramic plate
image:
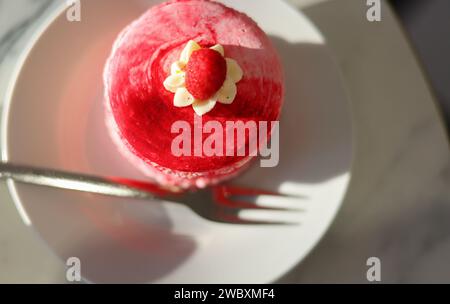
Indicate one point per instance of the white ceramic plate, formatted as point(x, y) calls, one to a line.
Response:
point(53, 118)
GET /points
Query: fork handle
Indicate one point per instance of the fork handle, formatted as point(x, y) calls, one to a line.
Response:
point(118, 187)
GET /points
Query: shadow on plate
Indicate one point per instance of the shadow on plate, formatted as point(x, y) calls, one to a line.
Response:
point(315, 126)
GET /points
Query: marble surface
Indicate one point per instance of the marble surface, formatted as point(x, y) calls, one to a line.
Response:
point(425, 23)
point(398, 205)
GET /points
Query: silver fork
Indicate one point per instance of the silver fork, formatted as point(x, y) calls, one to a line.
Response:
point(223, 203)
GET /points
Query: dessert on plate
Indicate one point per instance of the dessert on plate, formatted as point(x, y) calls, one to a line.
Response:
point(191, 61)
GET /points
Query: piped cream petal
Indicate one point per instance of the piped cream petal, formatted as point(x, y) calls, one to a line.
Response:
point(234, 71)
point(183, 98)
point(177, 67)
point(202, 107)
point(218, 48)
point(191, 47)
point(227, 93)
point(173, 82)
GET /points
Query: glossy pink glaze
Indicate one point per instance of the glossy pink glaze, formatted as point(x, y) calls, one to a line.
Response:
point(140, 111)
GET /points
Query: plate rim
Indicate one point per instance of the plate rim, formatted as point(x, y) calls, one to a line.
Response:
point(35, 36)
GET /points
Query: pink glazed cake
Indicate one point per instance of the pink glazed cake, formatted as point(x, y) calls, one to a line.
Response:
point(186, 60)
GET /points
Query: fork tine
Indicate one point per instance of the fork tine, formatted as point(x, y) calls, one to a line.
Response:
point(237, 197)
point(281, 202)
point(292, 218)
point(216, 204)
point(236, 190)
point(222, 198)
point(235, 219)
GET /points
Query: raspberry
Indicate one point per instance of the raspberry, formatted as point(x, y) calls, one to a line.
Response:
point(205, 73)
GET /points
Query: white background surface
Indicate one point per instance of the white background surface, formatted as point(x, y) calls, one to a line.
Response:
point(398, 207)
